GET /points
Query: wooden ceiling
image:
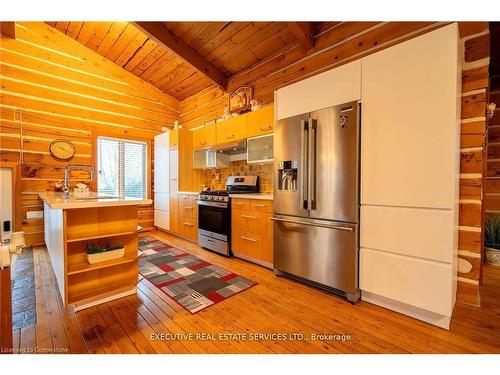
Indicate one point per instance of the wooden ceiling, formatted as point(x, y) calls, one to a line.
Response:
point(194, 55)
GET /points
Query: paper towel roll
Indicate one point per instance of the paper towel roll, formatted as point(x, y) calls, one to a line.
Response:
point(4, 256)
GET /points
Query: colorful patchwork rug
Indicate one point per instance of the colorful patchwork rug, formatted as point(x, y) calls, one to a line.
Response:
point(192, 282)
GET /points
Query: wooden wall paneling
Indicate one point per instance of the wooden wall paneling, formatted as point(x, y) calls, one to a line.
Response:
point(65, 94)
point(474, 166)
point(54, 39)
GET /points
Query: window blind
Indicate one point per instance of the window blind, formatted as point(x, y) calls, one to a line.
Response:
point(122, 167)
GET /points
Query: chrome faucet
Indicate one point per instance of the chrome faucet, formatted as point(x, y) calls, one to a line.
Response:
point(67, 172)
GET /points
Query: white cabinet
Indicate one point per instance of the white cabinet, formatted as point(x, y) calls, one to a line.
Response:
point(207, 158)
point(336, 86)
point(260, 149)
point(161, 157)
point(410, 131)
point(409, 175)
point(162, 174)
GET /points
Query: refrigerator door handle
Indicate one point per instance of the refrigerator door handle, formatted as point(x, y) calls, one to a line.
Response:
point(339, 227)
point(304, 137)
point(311, 167)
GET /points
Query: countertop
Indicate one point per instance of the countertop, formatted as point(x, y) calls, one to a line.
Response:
point(188, 192)
point(265, 196)
point(57, 200)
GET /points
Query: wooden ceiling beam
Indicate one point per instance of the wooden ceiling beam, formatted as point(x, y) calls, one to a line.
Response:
point(8, 29)
point(158, 32)
point(303, 31)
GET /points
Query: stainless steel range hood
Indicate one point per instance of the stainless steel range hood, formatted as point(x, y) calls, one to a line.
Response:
point(234, 148)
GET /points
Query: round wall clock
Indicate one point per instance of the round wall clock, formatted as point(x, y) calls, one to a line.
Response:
point(62, 149)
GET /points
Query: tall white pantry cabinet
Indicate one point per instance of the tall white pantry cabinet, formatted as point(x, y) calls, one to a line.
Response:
point(161, 181)
point(410, 162)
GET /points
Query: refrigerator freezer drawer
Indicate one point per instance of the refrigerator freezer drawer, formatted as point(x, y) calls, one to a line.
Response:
point(161, 201)
point(162, 219)
point(319, 251)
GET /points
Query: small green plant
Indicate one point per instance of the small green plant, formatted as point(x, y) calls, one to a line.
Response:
point(92, 248)
point(492, 232)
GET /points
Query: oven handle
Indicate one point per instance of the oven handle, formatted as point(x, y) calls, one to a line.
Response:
point(339, 227)
point(212, 204)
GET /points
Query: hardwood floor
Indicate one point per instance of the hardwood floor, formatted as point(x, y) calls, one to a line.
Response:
point(275, 305)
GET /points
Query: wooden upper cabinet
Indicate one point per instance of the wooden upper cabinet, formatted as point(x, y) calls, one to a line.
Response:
point(260, 122)
point(174, 138)
point(231, 130)
point(204, 137)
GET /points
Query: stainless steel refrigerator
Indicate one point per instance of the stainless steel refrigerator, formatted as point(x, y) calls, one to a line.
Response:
point(316, 198)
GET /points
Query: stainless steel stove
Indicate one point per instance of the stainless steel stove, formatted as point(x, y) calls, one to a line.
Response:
point(214, 213)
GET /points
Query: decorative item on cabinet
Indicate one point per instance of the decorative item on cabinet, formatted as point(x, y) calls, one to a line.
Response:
point(255, 105)
point(239, 99)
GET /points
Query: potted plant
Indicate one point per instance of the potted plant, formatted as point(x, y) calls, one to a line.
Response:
point(98, 254)
point(492, 239)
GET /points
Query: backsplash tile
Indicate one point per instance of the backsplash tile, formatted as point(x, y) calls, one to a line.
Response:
point(216, 178)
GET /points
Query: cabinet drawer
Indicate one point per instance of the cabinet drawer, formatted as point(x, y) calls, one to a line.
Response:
point(253, 221)
point(417, 282)
point(241, 204)
point(187, 209)
point(260, 122)
point(422, 233)
point(261, 205)
point(231, 130)
point(247, 244)
point(204, 137)
point(188, 228)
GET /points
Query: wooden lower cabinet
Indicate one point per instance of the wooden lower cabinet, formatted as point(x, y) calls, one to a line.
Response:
point(174, 213)
point(188, 217)
point(252, 230)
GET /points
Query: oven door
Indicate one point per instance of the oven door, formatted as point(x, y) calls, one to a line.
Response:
point(214, 217)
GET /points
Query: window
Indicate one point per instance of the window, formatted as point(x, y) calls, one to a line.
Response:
point(122, 167)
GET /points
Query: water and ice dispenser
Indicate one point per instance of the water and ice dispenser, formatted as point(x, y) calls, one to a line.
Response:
point(287, 175)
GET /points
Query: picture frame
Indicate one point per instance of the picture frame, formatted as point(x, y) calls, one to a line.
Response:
point(240, 99)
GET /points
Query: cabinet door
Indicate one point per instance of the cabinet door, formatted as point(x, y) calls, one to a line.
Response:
point(260, 149)
point(260, 122)
point(204, 137)
point(410, 128)
point(161, 163)
point(231, 130)
point(174, 138)
point(174, 213)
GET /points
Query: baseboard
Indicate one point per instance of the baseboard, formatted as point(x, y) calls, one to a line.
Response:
point(430, 317)
point(104, 299)
point(253, 260)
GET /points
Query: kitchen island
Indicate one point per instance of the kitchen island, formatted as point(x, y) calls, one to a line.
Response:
point(73, 223)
